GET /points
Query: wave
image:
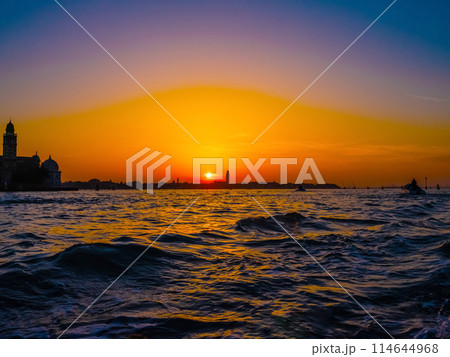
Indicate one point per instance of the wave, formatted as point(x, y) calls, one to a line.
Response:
point(445, 248)
point(13, 201)
point(297, 221)
point(114, 258)
point(354, 220)
point(267, 224)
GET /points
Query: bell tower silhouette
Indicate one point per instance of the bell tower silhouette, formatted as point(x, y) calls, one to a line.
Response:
point(9, 143)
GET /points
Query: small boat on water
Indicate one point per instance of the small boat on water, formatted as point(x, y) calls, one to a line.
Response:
point(300, 188)
point(413, 188)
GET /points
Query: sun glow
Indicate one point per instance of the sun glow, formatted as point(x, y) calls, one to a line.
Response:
point(224, 126)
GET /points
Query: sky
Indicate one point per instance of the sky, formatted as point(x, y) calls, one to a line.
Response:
point(226, 70)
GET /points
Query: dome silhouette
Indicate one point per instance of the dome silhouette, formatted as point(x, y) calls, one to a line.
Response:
point(50, 165)
point(36, 157)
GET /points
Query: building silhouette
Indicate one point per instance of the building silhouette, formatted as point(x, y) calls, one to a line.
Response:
point(25, 173)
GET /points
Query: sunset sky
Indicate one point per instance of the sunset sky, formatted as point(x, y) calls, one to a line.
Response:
point(225, 70)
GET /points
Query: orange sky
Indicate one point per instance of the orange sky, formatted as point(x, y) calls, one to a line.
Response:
point(347, 148)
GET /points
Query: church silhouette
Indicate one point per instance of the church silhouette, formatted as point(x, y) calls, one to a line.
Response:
point(22, 173)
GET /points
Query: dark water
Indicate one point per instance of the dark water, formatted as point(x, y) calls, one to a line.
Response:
point(225, 269)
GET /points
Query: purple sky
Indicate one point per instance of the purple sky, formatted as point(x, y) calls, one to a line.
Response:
point(398, 70)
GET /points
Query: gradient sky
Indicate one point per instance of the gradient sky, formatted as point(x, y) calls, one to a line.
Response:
point(226, 69)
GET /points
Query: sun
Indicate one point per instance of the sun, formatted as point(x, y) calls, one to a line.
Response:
point(208, 175)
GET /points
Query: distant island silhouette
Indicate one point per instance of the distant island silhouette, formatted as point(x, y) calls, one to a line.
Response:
point(177, 185)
